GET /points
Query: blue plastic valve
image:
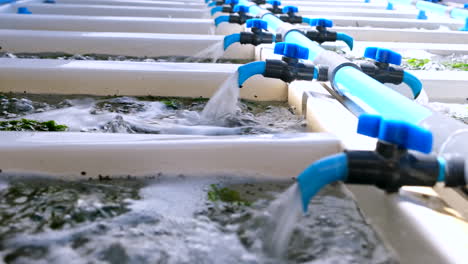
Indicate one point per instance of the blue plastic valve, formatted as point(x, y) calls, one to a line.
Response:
point(240, 9)
point(322, 22)
point(422, 15)
point(231, 2)
point(23, 10)
point(291, 50)
point(274, 2)
point(256, 23)
point(383, 55)
point(389, 6)
point(465, 6)
point(290, 9)
point(401, 133)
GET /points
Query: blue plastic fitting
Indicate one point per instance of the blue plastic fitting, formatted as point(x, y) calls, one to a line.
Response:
point(400, 133)
point(212, 4)
point(290, 9)
point(231, 2)
point(216, 9)
point(256, 23)
point(413, 82)
point(465, 6)
point(221, 19)
point(422, 15)
point(291, 50)
point(383, 55)
point(23, 10)
point(321, 173)
point(250, 69)
point(274, 2)
point(389, 6)
point(322, 22)
point(465, 27)
point(241, 9)
point(231, 39)
point(366, 1)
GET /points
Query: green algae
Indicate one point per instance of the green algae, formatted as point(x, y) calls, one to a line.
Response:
point(31, 125)
point(226, 195)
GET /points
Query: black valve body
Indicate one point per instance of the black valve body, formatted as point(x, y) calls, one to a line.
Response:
point(289, 70)
point(291, 19)
point(391, 167)
point(256, 38)
point(275, 10)
point(259, 2)
point(240, 19)
point(321, 35)
point(227, 9)
point(383, 72)
point(219, 3)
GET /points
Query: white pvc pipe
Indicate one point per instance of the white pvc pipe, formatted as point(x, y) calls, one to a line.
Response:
point(107, 24)
point(129, 78)
point(108, 10)
point(114, 43)
point(87, 155)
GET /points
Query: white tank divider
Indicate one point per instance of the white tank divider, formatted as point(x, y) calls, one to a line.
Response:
point(88, 155)
point(354, 12)
point(107, 24)
point(411, 221)
point(406, 48)
point(388, 23)
point(132, 3)
point(108, 10)
point(129, 78)
point(114, 43)
point(445, 86)
point(405, 35)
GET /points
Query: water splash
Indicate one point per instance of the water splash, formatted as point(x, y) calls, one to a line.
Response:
point(224, 102)
point(214, 52)
point(284, 212)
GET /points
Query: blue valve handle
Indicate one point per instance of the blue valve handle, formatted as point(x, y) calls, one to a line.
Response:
point(290, 9)
point(321, 22)
point(291, 50)
point(231, 2)
point(274, 2)
point(383, 55)
point(23, 10)
point(240, 9)
point(256, 23)
point(401, 133)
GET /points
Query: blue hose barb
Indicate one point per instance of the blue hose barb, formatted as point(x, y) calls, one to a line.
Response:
point(346, 39)
point(221, 19)
point(250, 69)
point(215, 10)
point(321, 173)
point(413, 82)
point(231, 39)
